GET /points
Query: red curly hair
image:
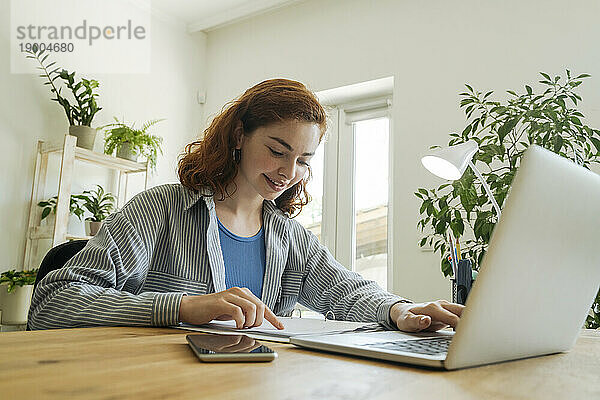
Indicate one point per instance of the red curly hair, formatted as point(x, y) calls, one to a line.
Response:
point(208, 162)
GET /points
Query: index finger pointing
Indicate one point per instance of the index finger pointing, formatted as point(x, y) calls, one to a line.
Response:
point(269, 316)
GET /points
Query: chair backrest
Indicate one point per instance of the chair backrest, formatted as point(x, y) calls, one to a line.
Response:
point(57, 257)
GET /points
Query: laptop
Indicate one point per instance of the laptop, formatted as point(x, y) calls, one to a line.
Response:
point(535, 286)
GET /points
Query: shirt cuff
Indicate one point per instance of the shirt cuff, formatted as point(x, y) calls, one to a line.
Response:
point(383, 312)
point(165, 309)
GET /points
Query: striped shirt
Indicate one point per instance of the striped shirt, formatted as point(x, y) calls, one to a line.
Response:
point(164, 243)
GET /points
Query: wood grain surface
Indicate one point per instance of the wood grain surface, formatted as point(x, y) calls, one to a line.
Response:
point(156, 363)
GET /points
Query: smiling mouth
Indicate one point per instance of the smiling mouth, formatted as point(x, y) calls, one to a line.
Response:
point(277, 186)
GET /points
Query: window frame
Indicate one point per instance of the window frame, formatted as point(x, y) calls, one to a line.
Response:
point(338, 225)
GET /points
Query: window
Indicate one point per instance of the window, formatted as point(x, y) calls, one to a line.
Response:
point(350, 209)
point(371, 198)
point(362, 189)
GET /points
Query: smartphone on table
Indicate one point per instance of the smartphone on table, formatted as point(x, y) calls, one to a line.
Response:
point(229, 348)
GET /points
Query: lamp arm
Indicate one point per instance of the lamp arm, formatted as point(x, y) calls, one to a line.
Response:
point(486, 187)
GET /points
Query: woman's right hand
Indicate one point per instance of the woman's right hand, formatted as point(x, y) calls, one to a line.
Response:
point(238, 304)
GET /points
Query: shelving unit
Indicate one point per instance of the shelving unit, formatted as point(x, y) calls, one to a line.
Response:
point(69, 153)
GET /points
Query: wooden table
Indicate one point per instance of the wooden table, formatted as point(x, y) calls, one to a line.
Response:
point(153, 363)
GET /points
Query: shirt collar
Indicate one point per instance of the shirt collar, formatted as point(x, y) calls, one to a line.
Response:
point(192, 197)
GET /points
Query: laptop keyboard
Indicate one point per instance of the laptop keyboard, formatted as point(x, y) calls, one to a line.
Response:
point(428, 346)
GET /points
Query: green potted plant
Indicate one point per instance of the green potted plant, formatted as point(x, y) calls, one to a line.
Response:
point(130, 142)
point(81, 113)
point(49, 206)
point(99, 204)
point(16, 288)
point(503, 131)
point(75, 226)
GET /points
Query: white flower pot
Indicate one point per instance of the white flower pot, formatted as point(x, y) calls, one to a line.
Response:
point(86, 136)
point(92, 227)
point(15, 305)
point(126, 152)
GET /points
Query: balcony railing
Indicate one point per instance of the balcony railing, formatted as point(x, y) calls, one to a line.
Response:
point(371, 231)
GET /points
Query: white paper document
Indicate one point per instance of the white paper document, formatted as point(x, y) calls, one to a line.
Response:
point(293, 327)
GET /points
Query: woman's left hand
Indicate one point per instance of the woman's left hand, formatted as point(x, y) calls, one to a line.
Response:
point(428, 316)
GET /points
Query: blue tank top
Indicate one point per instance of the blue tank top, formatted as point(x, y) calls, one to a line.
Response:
point(244, 259)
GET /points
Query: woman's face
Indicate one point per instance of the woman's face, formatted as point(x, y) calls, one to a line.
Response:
point(276, 157)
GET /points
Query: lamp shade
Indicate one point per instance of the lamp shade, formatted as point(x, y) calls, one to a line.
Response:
point(450, 162)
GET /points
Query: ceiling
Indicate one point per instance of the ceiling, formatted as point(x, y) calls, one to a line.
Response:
point(204, 15)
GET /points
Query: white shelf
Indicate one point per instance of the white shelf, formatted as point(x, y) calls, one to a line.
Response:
point(47, 232)
point(103, 160)
point(73, 237)
point(69, 153)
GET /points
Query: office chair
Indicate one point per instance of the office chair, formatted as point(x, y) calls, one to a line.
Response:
point(56, 258)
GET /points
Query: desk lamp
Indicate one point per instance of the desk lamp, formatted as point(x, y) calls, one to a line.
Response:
point(451, 162)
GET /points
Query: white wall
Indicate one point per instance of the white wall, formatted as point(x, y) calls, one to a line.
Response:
point(431, 48)
point(27, 115)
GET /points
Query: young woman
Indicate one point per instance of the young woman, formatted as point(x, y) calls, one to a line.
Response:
point(222, 244)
